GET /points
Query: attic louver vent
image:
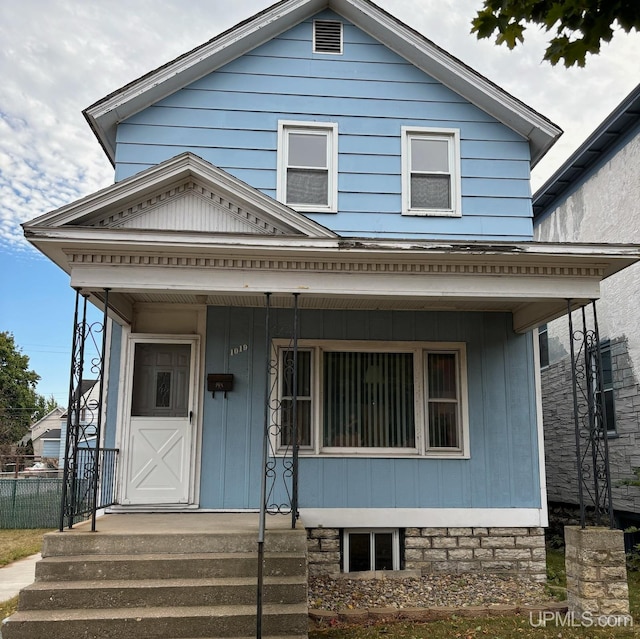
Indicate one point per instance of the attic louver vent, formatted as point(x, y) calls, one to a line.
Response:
point(327, 36)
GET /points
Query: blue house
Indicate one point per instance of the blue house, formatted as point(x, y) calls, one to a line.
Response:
point(321, 229)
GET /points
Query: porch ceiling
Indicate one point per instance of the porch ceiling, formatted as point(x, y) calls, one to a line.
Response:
point(527, 313)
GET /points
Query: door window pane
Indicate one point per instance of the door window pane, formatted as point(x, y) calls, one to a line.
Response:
point(161, 380)
point(163, 389)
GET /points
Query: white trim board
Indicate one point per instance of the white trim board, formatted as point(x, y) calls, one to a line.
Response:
point(422, 517)
point(540, 426)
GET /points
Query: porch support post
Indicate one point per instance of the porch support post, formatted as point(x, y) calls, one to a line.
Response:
point(590, 377)
point(590, 419)
point(601, 434)
point(97, 450)
point(68, 447)
point(576, 417)
point(265, 452)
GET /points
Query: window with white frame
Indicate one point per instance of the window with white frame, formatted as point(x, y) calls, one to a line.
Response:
point(308, 165)
point(606, 415)
point(359, 398)
point(431, 172)
point(377, 549)
point(543, 342)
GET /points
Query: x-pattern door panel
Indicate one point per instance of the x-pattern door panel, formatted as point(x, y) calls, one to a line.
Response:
point(160, 426)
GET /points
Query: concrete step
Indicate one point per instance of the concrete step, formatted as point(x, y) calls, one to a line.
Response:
point(159, 593)
point(151, 623)
point(168, 566)
point(70, 543)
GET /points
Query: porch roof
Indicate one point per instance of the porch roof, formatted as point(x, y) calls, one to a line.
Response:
point(531, 280)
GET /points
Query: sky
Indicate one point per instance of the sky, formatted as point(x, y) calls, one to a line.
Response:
point(59, 56)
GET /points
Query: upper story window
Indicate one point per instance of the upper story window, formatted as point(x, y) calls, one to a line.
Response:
point(327, 36)
point(431, 172)
point(308, 165)
point(543, 340)
point(356, 398)
point(606, 403)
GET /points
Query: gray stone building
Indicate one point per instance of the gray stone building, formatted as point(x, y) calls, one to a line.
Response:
point(595, 197)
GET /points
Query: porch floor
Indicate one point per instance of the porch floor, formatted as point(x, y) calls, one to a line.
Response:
point(187, 523)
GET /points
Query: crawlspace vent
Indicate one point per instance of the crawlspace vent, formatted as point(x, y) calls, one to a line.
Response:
point(327, 36)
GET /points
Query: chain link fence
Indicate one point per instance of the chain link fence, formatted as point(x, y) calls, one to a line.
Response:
point(30, 502)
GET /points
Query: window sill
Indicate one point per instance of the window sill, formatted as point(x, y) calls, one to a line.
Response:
point(301, 208)
point(353, 454)
point(431, 213)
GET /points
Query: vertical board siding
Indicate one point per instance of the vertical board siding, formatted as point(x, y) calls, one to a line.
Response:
point(502, 471)
point(230, 118)
point(113, 382)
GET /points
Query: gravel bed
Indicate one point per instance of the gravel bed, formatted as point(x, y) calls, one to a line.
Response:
point(432, 590)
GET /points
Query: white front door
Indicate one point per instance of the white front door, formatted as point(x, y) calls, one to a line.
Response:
point(161, 422)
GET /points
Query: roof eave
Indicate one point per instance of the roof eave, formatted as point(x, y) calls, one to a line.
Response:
point(613, 128)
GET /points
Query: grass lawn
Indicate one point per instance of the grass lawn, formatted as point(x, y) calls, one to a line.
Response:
point(16, 544)
point(499, 628)
point(7, 608)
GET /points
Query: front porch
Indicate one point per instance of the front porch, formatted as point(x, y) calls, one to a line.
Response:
point(166, 575)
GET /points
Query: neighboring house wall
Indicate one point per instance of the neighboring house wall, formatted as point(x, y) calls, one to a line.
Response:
point(49, 422)
point(602, 206)
point(88, 417)
point(230, 118)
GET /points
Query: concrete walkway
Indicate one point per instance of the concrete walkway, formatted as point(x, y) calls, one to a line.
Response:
point(16, 576)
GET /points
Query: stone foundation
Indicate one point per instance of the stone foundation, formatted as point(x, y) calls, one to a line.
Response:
point(596, 571)
point(323, 551)
point(510, 551)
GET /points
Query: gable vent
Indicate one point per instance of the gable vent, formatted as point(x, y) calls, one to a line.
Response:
point(327, 36)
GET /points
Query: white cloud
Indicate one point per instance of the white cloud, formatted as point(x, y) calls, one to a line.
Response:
point(59, 56)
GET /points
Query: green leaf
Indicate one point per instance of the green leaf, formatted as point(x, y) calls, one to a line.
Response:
point(511, 35)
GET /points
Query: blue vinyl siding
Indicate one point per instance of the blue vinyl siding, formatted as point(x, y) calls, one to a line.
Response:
point(230, 118)
point(112, 382)
point(502, 471)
